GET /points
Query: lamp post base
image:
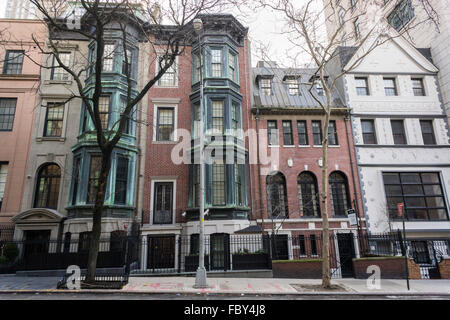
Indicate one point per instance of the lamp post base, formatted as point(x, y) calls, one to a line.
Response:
point(200, 278)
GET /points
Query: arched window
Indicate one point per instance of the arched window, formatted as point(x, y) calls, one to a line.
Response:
point(340, 199)
point(308, 194)
point(277, 196)
point(47, 188)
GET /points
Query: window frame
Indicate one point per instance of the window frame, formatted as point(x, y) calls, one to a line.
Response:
point(432, 133)
point(121, 180)
point(57, 73)
point(216, 63)
point(11, 62)
point(272, 133)
point(333, 135)
point(9, 125)
point(319, 133)
point(3, 181)
point(92, 180)
point(303, 134)
point(288, 137)
point(218, 186)
point(303, 186)
point(390, 91)
point(158, 124)
point(401, 134)
point(108, 56)
point(373, 133)
point(165, 80)
point(424, 195)
point(265, 86)
point(52, 182)
point(59, 119)
point(163, 183)
point(414, 88)
point(359, 88)
point(217, 119)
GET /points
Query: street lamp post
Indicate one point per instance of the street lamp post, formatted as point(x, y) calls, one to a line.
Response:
point(200, 278)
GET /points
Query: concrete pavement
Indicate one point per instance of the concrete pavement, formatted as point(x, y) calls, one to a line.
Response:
point(238, 286)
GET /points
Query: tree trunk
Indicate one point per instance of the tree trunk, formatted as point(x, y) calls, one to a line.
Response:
point(326, 279)
point(97, 216)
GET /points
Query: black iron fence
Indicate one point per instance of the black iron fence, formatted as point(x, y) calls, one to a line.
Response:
point(160, 254)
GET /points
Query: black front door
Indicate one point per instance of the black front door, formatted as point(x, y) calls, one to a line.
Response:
point(36, 242)
point(346, 253)
point(280, 248)
point(161, 252)
point(220, 251)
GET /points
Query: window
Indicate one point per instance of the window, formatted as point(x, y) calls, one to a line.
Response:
point(13, 62)
point(340, 200)
point(76, 179)
point(401, 15)
point(198, 68)
point(308, 194)
point(420, 192)
point(120, 195)
point(104, 112)
point(54, 120)
point(127, 64)
point(3, 175)
point(417, 85)
point(277, 196)
point(332, 133)
point(235, 116)
point(216, 63)
point(7, 112)
point(427, 132)
point(302, 132)
point(266, 87)
point(319, 89)
point(293, 86)
point(92, 54)
point(165, 124)
point(313, 243)
point(398, 131)
point(341, 17)
point(362, 88)
point(169, 78)
point(217, 117)
point(163, 203)
point(238, 179)
point(353, 4)
point(128, 125)
point(57, 72)
point(317, 132)
point(368, 132)
point(218, 184)
point(287, 133)
point(108, 57)
point(94, 175)
point(390, 88)
point(232, 66)
point(47, 188)
point(272, 132)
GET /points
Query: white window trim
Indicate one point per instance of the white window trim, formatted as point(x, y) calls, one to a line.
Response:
point(174, 199)
point(175, 121)
point(43, 116)
point(157, 85)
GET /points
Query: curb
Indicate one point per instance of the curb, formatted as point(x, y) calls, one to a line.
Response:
point(227, 293)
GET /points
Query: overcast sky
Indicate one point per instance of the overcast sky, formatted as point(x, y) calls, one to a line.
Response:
point(265, 26)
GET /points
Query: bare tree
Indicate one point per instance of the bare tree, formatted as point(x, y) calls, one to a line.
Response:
point(305, 22)
point(95, 19)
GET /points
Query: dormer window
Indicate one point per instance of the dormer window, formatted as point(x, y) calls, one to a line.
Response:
point(319, 89)
point(293, 86)
point(266, 86)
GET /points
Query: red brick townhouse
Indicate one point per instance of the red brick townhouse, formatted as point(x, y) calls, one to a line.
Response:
point(170, 206)
point(286, 176)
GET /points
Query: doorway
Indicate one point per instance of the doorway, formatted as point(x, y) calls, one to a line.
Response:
point(161, 252)
point(346, 253)
point(220, 251)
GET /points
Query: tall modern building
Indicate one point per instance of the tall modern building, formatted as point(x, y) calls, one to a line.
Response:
point(411, 15)
point(19, 9)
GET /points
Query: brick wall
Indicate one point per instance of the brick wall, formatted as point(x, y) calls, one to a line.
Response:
point(390, 267)
point(299, 269)
point(444, 268)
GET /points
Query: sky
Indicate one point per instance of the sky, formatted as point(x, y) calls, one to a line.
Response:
point(265, 27)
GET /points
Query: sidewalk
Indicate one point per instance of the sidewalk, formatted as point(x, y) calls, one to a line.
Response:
point(236, 286)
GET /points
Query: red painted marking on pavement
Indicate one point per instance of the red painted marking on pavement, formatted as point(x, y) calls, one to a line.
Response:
point(277, 287)
point(250, 287)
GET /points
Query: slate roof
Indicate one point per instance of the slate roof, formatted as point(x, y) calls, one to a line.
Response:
point(280, 97)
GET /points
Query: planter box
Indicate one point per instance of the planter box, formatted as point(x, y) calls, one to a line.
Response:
point(390, 267)
point(191, 263)
point(298, 269)
point(257, 261)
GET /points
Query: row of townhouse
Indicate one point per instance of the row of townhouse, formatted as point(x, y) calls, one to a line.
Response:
point(388, 135)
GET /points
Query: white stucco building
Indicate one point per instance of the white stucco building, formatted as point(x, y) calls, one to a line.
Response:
point(401, 137)
point(425, 24)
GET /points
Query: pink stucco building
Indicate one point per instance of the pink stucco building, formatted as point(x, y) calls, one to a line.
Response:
point(19, 84)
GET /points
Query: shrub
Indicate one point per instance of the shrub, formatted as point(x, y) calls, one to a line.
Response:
point(10, 251)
